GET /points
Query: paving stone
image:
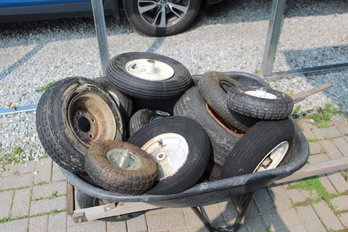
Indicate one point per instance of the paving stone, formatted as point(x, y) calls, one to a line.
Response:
point(215, 215)
point(318, 133)
point(331, 149)
point(18, 169)
point(255, 224)
point(21, 202)
point(338, 181)
point(342, 145)
point(331, 132)
point(344, 219)
point(229, 212)
point(307, 130)
point(6, 203)
point(252, 210)
point(165, 219)
point(56, 173)
point(191, 218)
point(281, 218)
point(263, 201)
point(314, 159)
point(15, 226)
point(280, 199)
point(325, 214)
point(341, 124)
point(137, 224)
point(57, 222)
point(315, 148)
point(46, 190)
point(327, 184)
point(340, 203)
point(43, 170)
point(199, 229)
point(13, 182)
point(116, 226)
point(297, 196)
point(296, 228)
point(38, 224)
point(47, 205)
point(95, 226)
point(310, 219)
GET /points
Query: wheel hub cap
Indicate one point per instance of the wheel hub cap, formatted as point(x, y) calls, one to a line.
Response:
point(123, 159)
point(260, 93)
point(274, 157)
point(148, 69)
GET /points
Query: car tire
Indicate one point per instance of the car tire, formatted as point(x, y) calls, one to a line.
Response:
point(181, 149)
point(264, 139)
point(143, 117)
point(86, 201)
point(71, 115)
point(146, 75)
point(120, 167)
point(259, 103)
point(147, 23)
point(192, 105)
point(123, 103)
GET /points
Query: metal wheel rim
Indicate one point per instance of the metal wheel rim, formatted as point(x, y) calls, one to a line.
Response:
point(260, 93)
point(273, 158)
point(163, 13)
point(123, 159)
point(170, 151)
point(149, 69)
point(90, 118)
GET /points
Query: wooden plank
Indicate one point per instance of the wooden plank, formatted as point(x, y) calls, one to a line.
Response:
point(303, 95)
point(316, 170)
point(70, 199)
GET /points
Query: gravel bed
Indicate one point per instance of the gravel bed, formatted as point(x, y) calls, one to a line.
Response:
point(228, 37)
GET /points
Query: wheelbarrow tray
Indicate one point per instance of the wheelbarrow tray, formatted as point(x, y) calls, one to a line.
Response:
point(207, 192)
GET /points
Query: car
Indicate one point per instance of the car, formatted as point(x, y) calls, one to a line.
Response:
point(150, 17)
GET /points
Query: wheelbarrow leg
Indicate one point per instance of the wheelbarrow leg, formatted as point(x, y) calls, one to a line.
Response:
point(242, 205)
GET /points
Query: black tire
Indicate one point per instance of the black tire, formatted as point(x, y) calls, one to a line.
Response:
point(213, 87)
point(86, 201)
point(166, 105)
point(258, 107)
point(192, 105)
point(122, 102)
point(103, 168)
point(143, 117)
point(143, 22)
point(196, 160)
point(144, 88)
point(57, 120)
point(259, 140)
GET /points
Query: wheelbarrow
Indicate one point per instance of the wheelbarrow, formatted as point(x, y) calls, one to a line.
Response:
point(206, 193)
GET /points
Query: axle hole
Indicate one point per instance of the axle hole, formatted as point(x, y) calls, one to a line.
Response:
point(84, 124)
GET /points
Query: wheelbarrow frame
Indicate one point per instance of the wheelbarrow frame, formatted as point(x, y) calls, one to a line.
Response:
point(201, 194)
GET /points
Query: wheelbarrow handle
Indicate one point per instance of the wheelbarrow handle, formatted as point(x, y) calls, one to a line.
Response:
point(303, 95)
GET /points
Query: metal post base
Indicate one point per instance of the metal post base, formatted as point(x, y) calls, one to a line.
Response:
point(242, 205)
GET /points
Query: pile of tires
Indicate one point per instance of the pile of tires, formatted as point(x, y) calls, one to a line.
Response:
point(148, 128)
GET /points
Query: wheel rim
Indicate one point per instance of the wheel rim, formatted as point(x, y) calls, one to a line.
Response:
point(148, 69)
point(163, 13)
point(260, 93)
point(123, 159)
point(170, 151)
point(274, 157)
point(91, 119)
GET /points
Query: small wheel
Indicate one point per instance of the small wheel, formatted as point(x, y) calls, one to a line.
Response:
point(120, 167)
point(161, 17)
point(222, 138)
point(260, 103)
point(86, 201)
point(263, 147)
point(181, 149)
point(71, 115)
point(148, 76)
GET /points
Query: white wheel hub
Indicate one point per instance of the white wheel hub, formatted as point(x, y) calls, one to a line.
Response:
point(151, 70)
point(170, 151)
point(260, 93)
point(274, 157)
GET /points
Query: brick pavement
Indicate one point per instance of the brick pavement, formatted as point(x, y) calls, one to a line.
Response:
point(32, 198)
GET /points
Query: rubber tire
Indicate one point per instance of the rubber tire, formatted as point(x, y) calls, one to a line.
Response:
point(256, 144)
point(53, 128)
point(86, 201)
point(145, 89)
point(141, 118)
point(123, 103)
point(210, 87)
point(192, 105)
point(261, 108)
point(197, 159)
point(134, 17)
point(114, 178)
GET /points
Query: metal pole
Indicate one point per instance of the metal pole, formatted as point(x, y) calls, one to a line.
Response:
point(100, 27)
point(273, 35)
